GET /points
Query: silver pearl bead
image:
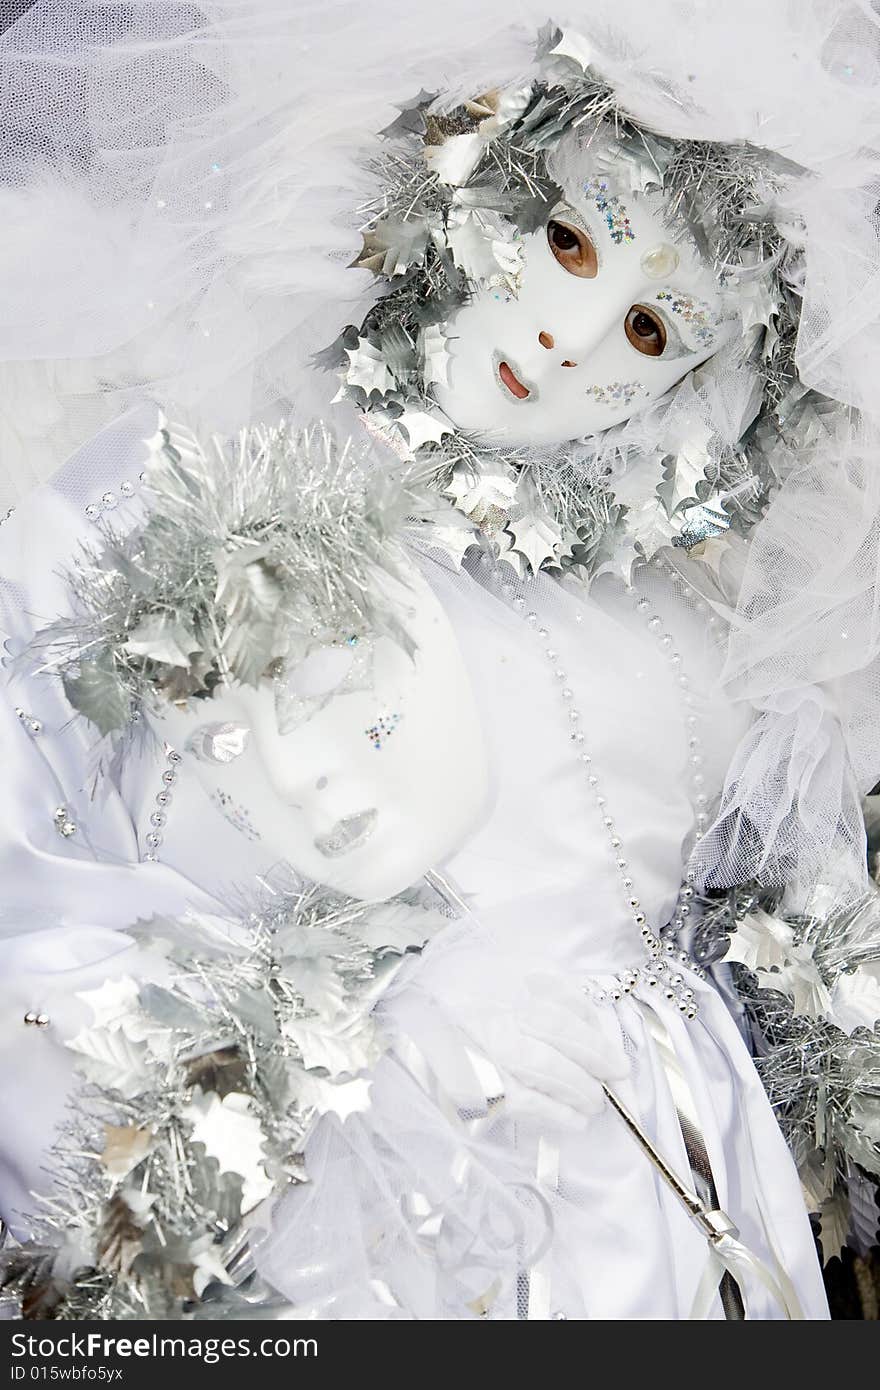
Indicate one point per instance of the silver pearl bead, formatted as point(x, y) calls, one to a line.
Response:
point(43, 1020)
point(127, 489)
point(30, 1018)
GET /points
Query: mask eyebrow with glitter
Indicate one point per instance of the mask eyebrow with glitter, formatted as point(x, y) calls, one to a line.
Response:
point(611, 209)
point(694, 317)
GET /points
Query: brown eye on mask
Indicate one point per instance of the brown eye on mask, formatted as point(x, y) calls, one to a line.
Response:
point(645, 330)
point(572, 248)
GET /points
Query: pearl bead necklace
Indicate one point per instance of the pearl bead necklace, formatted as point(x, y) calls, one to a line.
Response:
point(659, 972)
point(159, 817)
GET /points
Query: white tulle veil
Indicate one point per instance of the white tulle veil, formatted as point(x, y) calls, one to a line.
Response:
point(179, 194)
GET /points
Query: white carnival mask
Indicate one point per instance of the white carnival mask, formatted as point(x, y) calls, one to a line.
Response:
point(613, 308)
point(378, 785)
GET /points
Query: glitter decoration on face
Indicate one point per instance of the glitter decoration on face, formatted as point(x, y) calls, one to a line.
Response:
point(235, 814)
point(612, 209)
point(694, 312)
point(383, 728)
point(617, 392)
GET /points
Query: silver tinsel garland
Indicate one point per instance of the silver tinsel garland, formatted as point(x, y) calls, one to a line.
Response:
point(808, 989)
point(252, 549)
point(198, 1091)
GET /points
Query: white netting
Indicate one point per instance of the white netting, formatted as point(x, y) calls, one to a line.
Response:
point(804, 651)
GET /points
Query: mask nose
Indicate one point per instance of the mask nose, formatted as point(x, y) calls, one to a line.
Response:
point(548, 341)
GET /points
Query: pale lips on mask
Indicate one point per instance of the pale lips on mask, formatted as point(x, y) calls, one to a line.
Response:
point(347, 834)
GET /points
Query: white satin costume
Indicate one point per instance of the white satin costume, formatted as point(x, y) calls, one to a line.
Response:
point(428, 1205)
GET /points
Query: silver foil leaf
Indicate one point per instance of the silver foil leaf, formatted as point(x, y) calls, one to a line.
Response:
point(218, 743)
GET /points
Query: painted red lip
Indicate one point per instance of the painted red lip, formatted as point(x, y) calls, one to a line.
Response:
point(512, 382)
